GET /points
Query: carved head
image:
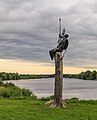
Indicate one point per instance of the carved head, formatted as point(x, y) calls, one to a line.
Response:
point(66, 35)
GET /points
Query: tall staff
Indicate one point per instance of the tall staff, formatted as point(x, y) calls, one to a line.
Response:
point(59, 39)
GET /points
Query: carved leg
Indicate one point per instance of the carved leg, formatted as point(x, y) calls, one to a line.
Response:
point(51, 52)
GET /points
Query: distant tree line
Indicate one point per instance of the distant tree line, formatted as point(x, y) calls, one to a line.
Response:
point(17, 76)
point(9, 76)
point(87, 75)
point(34, 76)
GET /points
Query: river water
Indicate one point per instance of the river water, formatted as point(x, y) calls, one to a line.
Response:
point(82, 89)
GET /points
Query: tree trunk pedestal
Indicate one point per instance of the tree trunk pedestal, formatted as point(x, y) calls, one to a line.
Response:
point(57, 102)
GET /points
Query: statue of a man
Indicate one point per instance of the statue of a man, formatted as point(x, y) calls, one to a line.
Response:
point(63, 44)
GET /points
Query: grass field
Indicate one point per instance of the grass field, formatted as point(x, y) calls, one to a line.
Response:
point(28, 109)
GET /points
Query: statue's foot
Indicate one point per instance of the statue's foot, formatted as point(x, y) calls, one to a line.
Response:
point(51, 54)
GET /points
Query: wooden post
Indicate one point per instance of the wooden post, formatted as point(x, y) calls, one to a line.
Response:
point(57, 102)
point(58, 80)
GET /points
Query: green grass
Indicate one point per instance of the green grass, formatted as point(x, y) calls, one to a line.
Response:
point(29, 109)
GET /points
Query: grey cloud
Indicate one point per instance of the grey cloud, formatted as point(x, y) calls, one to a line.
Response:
point(29, 29)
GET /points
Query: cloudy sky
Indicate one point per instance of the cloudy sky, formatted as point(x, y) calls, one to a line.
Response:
point(29, 29)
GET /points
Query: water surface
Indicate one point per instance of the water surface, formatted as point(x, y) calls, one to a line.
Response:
point(82, 89)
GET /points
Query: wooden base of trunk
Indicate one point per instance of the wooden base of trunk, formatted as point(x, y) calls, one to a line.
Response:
point(56, 104)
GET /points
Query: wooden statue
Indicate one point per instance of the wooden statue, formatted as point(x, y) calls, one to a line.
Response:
point(56, 54)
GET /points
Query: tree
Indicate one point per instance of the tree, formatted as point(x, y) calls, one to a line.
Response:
point(3, 76)
point(93, 75)
point(88, 72)
point(96, 76)
point(17, 76)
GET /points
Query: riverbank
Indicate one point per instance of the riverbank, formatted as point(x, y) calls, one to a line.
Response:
point(30, 109)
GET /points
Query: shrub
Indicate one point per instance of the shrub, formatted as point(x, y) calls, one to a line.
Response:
point(8, 84)
point(1, 83)
point(10, 90)
point(4, 92)
point(72, 100)
point(26, 92)
point(48, 98)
